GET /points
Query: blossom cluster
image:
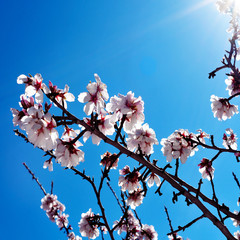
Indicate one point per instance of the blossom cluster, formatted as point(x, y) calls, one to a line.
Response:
point(229, 139)
point(54, 210)
point(206, 169)
point(131, 225)
point(182, 144)
point(222, 109)
point(88, 225)
point(130, 181)
point(37, 122)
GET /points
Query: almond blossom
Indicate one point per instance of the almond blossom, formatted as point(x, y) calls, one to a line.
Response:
point(228, 6)
point(130, 224)
point(71, 236)
point(148, 233)
point(60, 95)
point(33, 86)
point(89, 225)
point(153, 178)
point(229, 139)
point(135, 198)
point(40, 128)
point(233, 84)
point(236, 222)
point(142, 137)
point(129, 106)
point(237, 235)
point(95, 97)
point(105, 125)
point(48, 164)
point(174, 236)
point(177, 145)
point(54, 210)
point(68, 154)
point(222, 109)
point(206, 169)
point(109, 160)
point(129, 180)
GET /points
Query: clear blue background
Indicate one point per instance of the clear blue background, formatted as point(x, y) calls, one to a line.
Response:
point(160, 50)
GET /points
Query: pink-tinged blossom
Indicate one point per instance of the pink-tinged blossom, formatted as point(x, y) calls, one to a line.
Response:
point(147, 233)
point(48, 202)
point(48, 164)
point(143, 137)
point(229, 139)
point(62, 220)
point(109, 160)
point(201, 136)
point(135, 198)
point(129, 180)
point(26, 102)
point(105, 125)
point(228, 7)
point(236, 222)
point(71, 236)
point(70, 134)
point(237, 235)
point(206, 169)
point(52, 206)
point(88, 225)
point(17, 117)
point(130, 225)
point(174, 236)
point(68, 154)
point(33, 86)
point(62, 96)
point(129, 106)
point(153, 178)
point(177, 145)
point(233, 84)
point(95, 97)
point(222, 109)
point(40, 128)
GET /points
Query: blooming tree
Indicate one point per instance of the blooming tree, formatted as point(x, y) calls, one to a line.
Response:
point(119, 122)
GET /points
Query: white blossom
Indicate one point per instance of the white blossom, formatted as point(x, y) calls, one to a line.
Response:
point(222, 109)
point(237, 235)
point(177, 145)
point(129, 180)
point(236, 222)
point(135, 198)
point(130, 225)
point(88, 226)
point(33, 86)
point(153, 178)
point(233, 85)
point(62, 220)
point(40, 128)
point(68, 154)
point(148, 233)
point(143, 137)
point(206, 169)
point(229, 139)
point(48, 164)
point(109, 160)
point(95, 97)
point(129, 106)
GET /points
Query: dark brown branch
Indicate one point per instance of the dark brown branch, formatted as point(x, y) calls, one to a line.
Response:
point(236, 179)
point(34, 178)
point(187, 225)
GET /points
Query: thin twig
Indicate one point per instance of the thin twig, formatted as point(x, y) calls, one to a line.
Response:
point(33, 177)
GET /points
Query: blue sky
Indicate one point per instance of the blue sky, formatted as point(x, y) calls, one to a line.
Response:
point(160, 50)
